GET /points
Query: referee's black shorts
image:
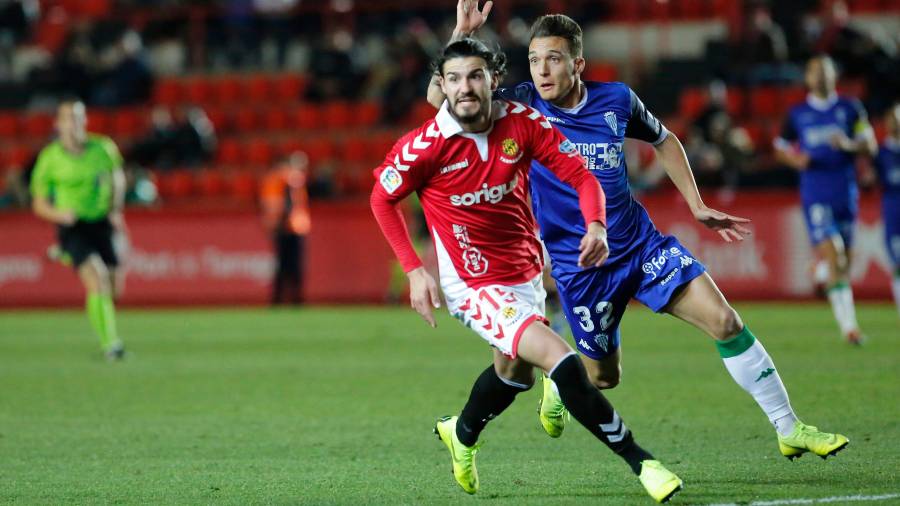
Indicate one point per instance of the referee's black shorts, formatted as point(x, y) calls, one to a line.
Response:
point(87, 237)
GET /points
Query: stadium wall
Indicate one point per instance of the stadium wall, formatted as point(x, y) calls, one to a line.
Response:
point(192, 257)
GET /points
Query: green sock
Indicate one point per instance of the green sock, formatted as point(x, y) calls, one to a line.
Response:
point(94, 307)
point(108, 313)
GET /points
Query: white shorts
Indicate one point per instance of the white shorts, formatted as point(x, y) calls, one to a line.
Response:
point(500, 313)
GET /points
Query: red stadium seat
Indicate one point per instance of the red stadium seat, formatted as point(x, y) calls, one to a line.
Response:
point(338, 114)
point(690, 9)
point(277, 119)
point(168, 92)
point(764, 102)
point(37, 126)
point(320, 149)
point(228, 90)
point(100, 121)
point(242, 186)
point(18, 156)
point(175, 184)
point(599, 71)
point(288, 146)
point(422, 111)
point(791, 96)
point(219, 118)
point(735, 102)
point(9, 125)
point(355, 149)
point(245, 119)
point(288, 88)
point(856, 88)
point(658, 11)
point(258, 88)
point(309, 116)
point(229, 152)
point(691, 102)
point(129, 123)
point(199, 91)
point(211, 183)
point(259, 153)
point(366, 113)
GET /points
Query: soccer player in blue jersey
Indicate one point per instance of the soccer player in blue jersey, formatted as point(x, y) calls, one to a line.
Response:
point(643, 263)
point(821, 139)
point(888, 165)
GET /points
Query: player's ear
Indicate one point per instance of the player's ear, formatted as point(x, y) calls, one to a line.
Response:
point(578, 66)
point(495, 81)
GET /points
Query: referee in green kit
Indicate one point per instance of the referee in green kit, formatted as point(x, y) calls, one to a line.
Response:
point(78, 184)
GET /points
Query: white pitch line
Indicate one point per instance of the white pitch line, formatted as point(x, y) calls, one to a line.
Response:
point(821, 500)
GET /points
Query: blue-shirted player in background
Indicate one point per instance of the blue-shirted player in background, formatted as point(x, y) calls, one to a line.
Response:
point(821, 138)
point(643, 263)
point(888, 165)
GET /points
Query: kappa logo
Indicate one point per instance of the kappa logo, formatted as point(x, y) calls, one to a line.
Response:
point(610, 118)
point(391, 179)
point(765, 374)
point(585, 345)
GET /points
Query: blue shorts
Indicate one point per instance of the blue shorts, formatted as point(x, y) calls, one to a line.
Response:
point(594, 300)
point(890, 214)
point(828, 219)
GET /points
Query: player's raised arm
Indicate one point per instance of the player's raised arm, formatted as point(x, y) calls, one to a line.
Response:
point(644, 126)
point(469, 18)
point(391, 187)
point(863, 141)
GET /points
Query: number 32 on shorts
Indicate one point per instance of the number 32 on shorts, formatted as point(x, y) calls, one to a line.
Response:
point(603, 310)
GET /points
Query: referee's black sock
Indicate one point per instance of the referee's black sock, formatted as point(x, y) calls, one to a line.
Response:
point(489, 397)
point(592, 410)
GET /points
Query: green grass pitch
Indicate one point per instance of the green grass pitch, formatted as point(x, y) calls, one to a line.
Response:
point(336, 405)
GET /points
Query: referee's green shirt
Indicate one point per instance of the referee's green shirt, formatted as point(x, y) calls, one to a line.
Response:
point(80, 183)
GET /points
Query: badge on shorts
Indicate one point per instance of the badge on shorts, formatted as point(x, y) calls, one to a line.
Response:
point(391, 179)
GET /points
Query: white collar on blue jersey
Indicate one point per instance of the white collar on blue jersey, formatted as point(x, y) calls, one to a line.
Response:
point(448, 125)
point(821, 104)
point(580, 106)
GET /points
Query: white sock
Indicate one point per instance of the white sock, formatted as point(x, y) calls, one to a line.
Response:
point(895, 285)
point(840, 308)
point(849, 307)
point(821, 272)
point(751, 367)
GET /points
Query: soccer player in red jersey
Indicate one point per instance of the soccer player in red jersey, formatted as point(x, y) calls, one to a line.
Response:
point(469, 166)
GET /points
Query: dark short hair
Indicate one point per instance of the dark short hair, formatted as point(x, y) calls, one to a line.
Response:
point(559, 25)
point(463, 48)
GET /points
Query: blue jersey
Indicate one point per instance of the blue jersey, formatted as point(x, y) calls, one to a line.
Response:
point(831, 175)
point(888, 165)
point(597, 126)
point(643, 263)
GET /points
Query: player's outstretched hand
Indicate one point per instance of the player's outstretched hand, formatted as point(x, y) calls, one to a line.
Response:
point(594, 249)
point(423, 294)
point(469, 18)
point(729, 227)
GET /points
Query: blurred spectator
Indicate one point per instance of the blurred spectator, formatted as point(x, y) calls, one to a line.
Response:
point(719, 150)
point(762, 51)
point(410, 76)
point(333, 67)
point(123, 78)
point(276, 23)
point(285, 215)
point(169, 144)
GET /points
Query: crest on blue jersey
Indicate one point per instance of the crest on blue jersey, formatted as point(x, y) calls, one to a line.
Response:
point(610, 118)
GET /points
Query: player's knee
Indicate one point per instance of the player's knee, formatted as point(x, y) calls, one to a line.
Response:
point(727, 324)
point(607, 378)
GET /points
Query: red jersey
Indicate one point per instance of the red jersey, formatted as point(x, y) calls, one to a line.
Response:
point(473, 190)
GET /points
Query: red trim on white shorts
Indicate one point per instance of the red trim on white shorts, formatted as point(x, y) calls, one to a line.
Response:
point(522, 327)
